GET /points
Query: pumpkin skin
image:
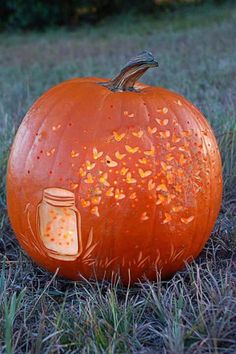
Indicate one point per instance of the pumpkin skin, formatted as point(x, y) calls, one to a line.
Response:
point(144, 168)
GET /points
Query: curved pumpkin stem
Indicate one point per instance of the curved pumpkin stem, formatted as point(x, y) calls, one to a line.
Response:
point(132, 71)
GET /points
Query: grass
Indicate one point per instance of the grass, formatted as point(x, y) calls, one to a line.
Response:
point(195, 311)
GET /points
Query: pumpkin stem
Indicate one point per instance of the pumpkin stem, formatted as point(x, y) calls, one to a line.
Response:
point(132, 71)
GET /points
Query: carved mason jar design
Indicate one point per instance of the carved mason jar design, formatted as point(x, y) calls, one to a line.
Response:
point(59, 224)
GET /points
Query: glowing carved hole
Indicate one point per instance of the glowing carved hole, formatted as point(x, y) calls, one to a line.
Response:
point(54, 128)
point(143, 173)
point(73, 186)
point(167, 219)
point(182, 159)
point(152, 130)
point(151, 185)
point(97, 191)
point(118, 137)
point(165, 134)
point(161, 199)
point(96, 200)
point(138, 134)
point(118, 194)
point(170, 197)
point(143, 161)
point(74, 154)
point(169, 157)
point(110, 162)
point(178, 188)
point(131, 150)
point(85, 203)
point(180, 172)
point(89, 178)
point(119, 156)
point(109, 192)
point(103, 179)
point(150, 152)
point(144, 216)
point(89, 165)
point(96, 153)
point(165, 166)
point(123, 171)
point(186, 133)
point(176, 209)
point(184, 148)
point(130, 179)
point(162, 187)
point(169, 177)
point(95, 211)
point(82, 172)
point(169, 147)
point(130, 115)
point(133, 195)
point(163, 122)
point(187, 220)
point(175, 138)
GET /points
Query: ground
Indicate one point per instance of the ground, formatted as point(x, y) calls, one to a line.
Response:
point(195, 311)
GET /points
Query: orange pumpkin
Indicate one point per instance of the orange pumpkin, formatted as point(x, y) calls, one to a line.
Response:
point(113, 176)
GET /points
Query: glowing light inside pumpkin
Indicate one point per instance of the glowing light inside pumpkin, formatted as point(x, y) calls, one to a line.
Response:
point(54, 128)
point(162, 192)
point(138, 134)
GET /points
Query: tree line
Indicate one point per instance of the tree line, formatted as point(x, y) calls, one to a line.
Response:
point(38, 14)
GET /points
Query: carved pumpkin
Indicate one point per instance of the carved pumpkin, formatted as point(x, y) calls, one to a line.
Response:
point(109, 177)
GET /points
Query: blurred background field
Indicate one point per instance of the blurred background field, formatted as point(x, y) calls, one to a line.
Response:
point(48, 42)
point(40, 14)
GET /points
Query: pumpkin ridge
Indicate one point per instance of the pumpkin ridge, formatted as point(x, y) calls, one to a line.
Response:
point(63, 133)
point(44, 122)
point(193, 234)
point(106, 96)
point(211, 180)
point(26, 119)
point(151, 251)
point(41, 122)
point(196, 114)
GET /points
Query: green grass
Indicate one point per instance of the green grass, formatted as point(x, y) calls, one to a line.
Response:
point(195, 311)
